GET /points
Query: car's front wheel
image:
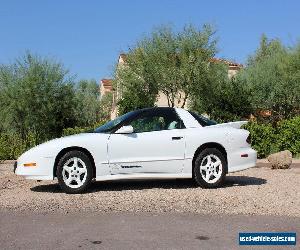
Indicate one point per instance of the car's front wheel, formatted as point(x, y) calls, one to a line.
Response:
point(74, 172)
point(210, 168)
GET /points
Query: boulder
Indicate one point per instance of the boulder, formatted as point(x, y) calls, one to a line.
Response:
point(281, 160)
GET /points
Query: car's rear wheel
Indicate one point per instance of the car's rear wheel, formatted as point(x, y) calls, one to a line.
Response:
point(74, 172)
point(210, 168)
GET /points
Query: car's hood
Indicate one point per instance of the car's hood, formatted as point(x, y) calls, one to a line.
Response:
point(52, 147)
point(237, 124)
point(66, 139)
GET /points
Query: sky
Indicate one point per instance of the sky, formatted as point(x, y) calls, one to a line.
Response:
point(87, 36)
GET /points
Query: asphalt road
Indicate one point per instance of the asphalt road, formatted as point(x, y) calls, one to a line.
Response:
point(135, 231)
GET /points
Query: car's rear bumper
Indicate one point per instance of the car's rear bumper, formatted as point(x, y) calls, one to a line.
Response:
point(242, 159)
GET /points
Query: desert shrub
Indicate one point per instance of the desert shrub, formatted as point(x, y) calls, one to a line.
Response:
point(272, 75)
point(263, 138)
point(36, 97)
point(267, 139)
point(288, 135)
point(12, 146)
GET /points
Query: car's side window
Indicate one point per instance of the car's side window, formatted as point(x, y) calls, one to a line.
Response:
point(147, 124)
point(156, 121)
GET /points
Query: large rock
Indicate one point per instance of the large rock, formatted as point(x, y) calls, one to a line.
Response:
point(281, 160)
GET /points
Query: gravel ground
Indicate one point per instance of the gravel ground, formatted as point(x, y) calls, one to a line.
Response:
point(259, 191)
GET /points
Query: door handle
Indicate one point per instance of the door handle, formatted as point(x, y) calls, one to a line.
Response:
point(174, 138)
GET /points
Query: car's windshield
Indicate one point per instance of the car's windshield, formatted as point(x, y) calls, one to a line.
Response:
point(109, 126)
point(203, 120)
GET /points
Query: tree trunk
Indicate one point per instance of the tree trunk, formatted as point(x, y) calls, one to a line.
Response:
point(184, 100)
point(172, 99)
point(166, 93)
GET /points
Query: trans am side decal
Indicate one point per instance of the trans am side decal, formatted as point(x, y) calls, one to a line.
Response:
point(122, 166)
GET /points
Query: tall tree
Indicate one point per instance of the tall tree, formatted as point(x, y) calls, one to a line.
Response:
point(134, 83)
point(88, 106)
point(167, 62)
point(273, 75)
point(222, 98)
point(36, 97)
point(106, 105)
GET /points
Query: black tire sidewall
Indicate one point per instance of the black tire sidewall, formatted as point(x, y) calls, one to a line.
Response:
point(89, 176)
point(196, 170)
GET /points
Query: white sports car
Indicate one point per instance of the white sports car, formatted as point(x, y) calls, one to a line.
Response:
point(147, 143)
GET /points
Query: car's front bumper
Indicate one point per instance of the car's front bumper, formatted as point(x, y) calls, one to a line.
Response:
point(42, 171)
point(15, 166)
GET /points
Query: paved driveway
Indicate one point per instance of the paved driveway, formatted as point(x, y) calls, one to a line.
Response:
point(129, 231)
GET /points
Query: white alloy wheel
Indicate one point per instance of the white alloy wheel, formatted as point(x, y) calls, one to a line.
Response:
point(74, 172)
point(211, 168)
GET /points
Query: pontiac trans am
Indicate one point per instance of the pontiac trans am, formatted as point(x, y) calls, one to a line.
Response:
point(147, 143)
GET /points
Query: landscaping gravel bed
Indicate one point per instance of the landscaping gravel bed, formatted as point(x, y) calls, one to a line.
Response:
point(254, 191)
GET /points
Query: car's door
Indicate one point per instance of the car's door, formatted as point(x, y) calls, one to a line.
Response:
point(157, 145)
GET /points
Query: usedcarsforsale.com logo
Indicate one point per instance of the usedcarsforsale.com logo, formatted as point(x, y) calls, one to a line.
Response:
point(282, 238)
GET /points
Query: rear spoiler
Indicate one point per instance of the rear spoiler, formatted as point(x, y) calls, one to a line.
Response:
point(237, 124)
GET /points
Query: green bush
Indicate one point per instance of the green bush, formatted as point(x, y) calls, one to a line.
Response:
point(288, 135)
point(268, 139)
point(12, 146)
point(37, 96)
point(263, 138)
point(9, 146)
point(74, 131)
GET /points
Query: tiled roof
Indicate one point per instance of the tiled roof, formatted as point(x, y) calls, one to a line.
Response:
point(229, 63)
point(107, 83)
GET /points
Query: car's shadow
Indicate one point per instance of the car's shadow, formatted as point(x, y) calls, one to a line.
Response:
point(122, 185)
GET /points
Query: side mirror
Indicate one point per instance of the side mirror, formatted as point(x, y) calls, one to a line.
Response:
point(125, 130)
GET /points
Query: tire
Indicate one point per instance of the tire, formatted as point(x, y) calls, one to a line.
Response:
point(210, 168)
point(74, 172)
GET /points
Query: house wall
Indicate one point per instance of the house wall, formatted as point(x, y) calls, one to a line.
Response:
point(162, 100)
point(104, 90)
